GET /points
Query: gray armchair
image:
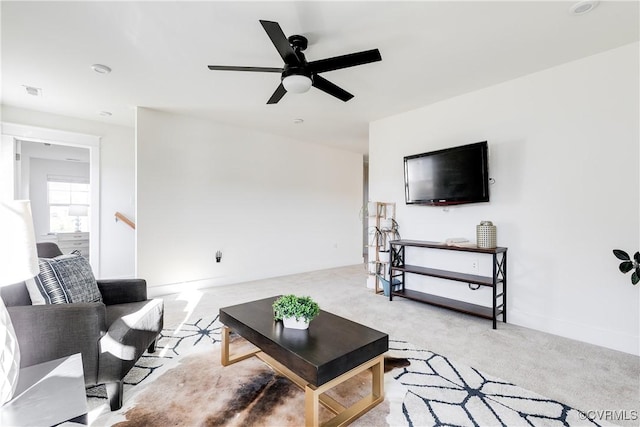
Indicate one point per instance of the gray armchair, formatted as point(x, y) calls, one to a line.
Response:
point(111, 335)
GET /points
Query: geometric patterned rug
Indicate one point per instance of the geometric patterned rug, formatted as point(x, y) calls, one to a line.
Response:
point(440, 392)
point(436, 391)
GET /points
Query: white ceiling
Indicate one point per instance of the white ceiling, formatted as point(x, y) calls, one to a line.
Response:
point(39, 150)
point(159, 52)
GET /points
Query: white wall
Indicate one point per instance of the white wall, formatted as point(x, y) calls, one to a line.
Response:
point(564, 153)
point(117, 176)
point(273, 206)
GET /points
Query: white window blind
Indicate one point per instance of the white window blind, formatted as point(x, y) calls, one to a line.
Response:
point(65, 194)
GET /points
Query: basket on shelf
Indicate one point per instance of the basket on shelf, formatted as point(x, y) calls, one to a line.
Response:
point(386, 285)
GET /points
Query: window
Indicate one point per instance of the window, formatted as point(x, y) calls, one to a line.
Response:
point(68, 204)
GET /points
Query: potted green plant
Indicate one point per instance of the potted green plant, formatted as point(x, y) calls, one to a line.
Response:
point(294, 311)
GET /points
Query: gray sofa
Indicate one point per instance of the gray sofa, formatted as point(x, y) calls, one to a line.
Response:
point(111, 335)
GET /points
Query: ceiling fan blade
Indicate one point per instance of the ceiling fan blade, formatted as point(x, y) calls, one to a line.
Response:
point(277, 95)
point(345, 61)
point(328, 87)
point(281, 42)
point(232, 68)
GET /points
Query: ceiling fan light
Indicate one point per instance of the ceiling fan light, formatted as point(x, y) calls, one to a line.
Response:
point(296, 83)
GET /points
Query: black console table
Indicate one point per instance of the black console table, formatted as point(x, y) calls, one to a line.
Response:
point(498, 281)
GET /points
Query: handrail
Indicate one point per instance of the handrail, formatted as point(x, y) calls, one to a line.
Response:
point(126, 220)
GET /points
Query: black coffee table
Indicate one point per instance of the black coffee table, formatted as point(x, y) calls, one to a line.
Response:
point(330, 352)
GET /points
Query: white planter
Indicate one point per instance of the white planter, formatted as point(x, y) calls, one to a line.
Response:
point(292, 323)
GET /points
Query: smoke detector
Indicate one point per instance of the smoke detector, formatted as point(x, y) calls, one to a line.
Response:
point(101, 69)
point(583, 7)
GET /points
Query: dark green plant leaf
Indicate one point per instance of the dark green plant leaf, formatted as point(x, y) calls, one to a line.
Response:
point(635, 278)
point(295, 306)
point(621, 255)
point(636, 257)
point(626, 266)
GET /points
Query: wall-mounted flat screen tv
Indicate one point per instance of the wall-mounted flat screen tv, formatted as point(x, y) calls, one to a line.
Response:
point(451, 176)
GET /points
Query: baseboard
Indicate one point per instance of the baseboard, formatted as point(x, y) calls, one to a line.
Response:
point(174, 288)
point(608, 338)
point(154, 291)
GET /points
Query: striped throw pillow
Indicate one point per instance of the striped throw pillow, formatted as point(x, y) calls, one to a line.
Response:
point(64, 279)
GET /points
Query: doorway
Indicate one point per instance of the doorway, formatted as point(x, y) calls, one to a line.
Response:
point(60, 162)
point(56, 178)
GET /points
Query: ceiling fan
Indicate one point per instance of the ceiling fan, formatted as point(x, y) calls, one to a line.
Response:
point(298, 75)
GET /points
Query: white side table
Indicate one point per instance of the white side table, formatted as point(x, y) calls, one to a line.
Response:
point(48, 394)
point(69, 242)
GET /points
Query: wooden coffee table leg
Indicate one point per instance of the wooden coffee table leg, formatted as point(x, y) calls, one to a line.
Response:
point(314, 396)
point(226, 358)
point(311, 407)
point(377, 381)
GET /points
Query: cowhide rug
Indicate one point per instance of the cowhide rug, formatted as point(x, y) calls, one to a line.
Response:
point(201, 392)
